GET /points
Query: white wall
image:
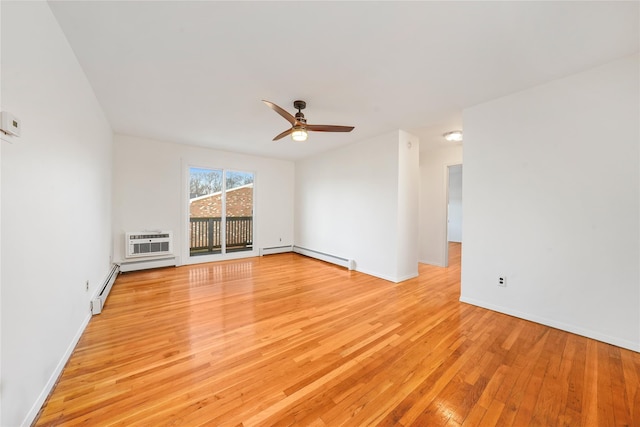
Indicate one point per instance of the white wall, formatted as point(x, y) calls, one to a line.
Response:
point(454, 211)
point(433, 202)
point(150, 192)
point(56, 198)
point(1, 222)
point(551, 200)
point(408, 195)
point(347, 205)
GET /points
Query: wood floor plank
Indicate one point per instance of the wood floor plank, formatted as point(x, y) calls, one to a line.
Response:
point(285, 340)
point(590, 386)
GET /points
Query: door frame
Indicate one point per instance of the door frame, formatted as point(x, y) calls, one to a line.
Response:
point(447, 174)
point(187, 259)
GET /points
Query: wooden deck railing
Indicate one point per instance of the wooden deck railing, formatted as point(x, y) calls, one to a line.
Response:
point(205, 234)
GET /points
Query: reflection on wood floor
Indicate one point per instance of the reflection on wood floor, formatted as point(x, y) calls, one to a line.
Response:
point(288, 340)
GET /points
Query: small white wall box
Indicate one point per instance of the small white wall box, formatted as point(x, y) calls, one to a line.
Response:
point(9, 124)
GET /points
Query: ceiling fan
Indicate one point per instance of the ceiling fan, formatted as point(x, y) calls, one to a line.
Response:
point(299, 126)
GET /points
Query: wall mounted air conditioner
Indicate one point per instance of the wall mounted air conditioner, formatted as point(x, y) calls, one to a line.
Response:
point(148, 244)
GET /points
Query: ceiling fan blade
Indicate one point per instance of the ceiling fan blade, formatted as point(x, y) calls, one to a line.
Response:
point(283, 134)
point(288, 117)
point(330, 128)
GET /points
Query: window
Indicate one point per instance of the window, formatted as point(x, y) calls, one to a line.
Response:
point(220, 211)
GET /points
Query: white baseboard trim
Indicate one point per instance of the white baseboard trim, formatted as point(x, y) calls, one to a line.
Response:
point(630, 345)
point(388, 278)
point(431, 262)
point(35, 409)
point(407, 277)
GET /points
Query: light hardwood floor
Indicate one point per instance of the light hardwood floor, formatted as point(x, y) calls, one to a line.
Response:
point(287, 340)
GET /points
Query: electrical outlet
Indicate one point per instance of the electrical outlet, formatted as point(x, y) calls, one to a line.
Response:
point(86, 286)
point(502, 281)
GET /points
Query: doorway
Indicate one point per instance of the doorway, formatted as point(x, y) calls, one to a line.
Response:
point(454, 208)
point(220, 211)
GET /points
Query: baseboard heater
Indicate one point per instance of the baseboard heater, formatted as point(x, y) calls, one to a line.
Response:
point(276, 250)
point(98, 302)
point(343, 262)
point(145, 264)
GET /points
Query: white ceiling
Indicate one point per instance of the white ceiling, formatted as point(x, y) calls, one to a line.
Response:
point(196, 72)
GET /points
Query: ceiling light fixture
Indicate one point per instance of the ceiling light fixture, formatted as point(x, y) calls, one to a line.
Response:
point(299, 134)
point(453, 136)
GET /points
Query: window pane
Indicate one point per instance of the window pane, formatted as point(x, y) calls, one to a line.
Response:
point(239, 208)
point(205, 211)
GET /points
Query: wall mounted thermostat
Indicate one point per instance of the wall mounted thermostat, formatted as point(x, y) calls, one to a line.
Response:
point(9, 124)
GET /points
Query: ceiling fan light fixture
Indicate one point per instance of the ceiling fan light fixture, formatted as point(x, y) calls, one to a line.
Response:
point(453, 136)
point(299, 135)
point(299, 126)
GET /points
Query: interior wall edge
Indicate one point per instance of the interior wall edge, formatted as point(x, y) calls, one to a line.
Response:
point(53, 379)
point(389, 278)
point(619, 342)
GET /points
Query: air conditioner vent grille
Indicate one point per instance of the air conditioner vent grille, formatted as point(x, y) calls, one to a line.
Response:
point(141, 244)
point(149, 236)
